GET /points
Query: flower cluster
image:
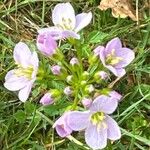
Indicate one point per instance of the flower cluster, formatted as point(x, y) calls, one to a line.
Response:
point(85, 80)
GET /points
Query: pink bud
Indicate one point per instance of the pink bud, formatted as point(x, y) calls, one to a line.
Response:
point(46, 44)
point(74, 61)
point(103, 75)
point(86, 102)
point(56, 69)
point(68, 91)
point(47, 99)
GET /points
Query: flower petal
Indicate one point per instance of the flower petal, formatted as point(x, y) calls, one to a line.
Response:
point(113, 131)
point(22, 54)
point(113, 44)
point(24, 93)
point(64, 15)
point(119, 72)
point(96, 139)
point(82, 20)
point(104, 104)
point(55, 32)
point(127, 56)
point(14, 83)
point(78, 120)
point(69, 33)
point(61, 125)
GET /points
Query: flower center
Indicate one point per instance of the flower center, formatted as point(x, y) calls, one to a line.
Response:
point(97, 118)
point(112, 59)
point(26, 72)
point(65, 24)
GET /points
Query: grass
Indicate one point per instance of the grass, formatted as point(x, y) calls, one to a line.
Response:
point(28, 125)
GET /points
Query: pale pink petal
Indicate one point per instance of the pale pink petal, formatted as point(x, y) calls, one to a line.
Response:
point(78, 120)
point(24, 93)
point(22, 54)
point(82, 20)
point(96, 138)
point(69, 33)
point(127, 56)
point(115, 43)
point(63, 14)
point(55, 32)
point(13, 82)
point(104, 104)
point(113, 131)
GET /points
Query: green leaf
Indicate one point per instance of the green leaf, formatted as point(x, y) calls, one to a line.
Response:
point(97, 37)
point(20, 116)
point(29, 107)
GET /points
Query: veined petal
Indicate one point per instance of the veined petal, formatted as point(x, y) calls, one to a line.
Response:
point(78, 120)
point(55, 32)
point(96, 139)
point(113, 130)
point(82, 20)
point(69, 33)
point(113, 44)
point(14, 83)
point(22, 54)
point(63, 15)
point(127, 56)
point(118, 72)
point(61, 125)
point(104, 104)
point(24, 93)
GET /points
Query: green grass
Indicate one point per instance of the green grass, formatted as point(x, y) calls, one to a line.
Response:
point(29, 126)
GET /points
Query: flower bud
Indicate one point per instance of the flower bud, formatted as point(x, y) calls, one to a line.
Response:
point(56, 69)
point(101, 75)
point(69, 79)
point(68, 91)
point(47, 99)
point(46, 44)
point(85, 75)
point(86, 102)
point(74, 61)
point(89, 88)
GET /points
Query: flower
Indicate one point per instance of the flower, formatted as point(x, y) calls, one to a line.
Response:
point(115, 95)
point(96, 122)
point(46, 44)
point(61, 126)
point(86, 102)
point(66, 24)
point(115, 57)
point(22, 78)
point(56, 69)
point(47, 99)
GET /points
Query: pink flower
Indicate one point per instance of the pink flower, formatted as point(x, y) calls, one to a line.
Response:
point(115, 57)
point(22, 78)
point(66, 24)
point(96, 122)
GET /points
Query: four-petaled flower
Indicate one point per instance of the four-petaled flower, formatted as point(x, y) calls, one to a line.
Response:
point(115, 57)
point(22, 78)
point(66, 23)
point(97, 124)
